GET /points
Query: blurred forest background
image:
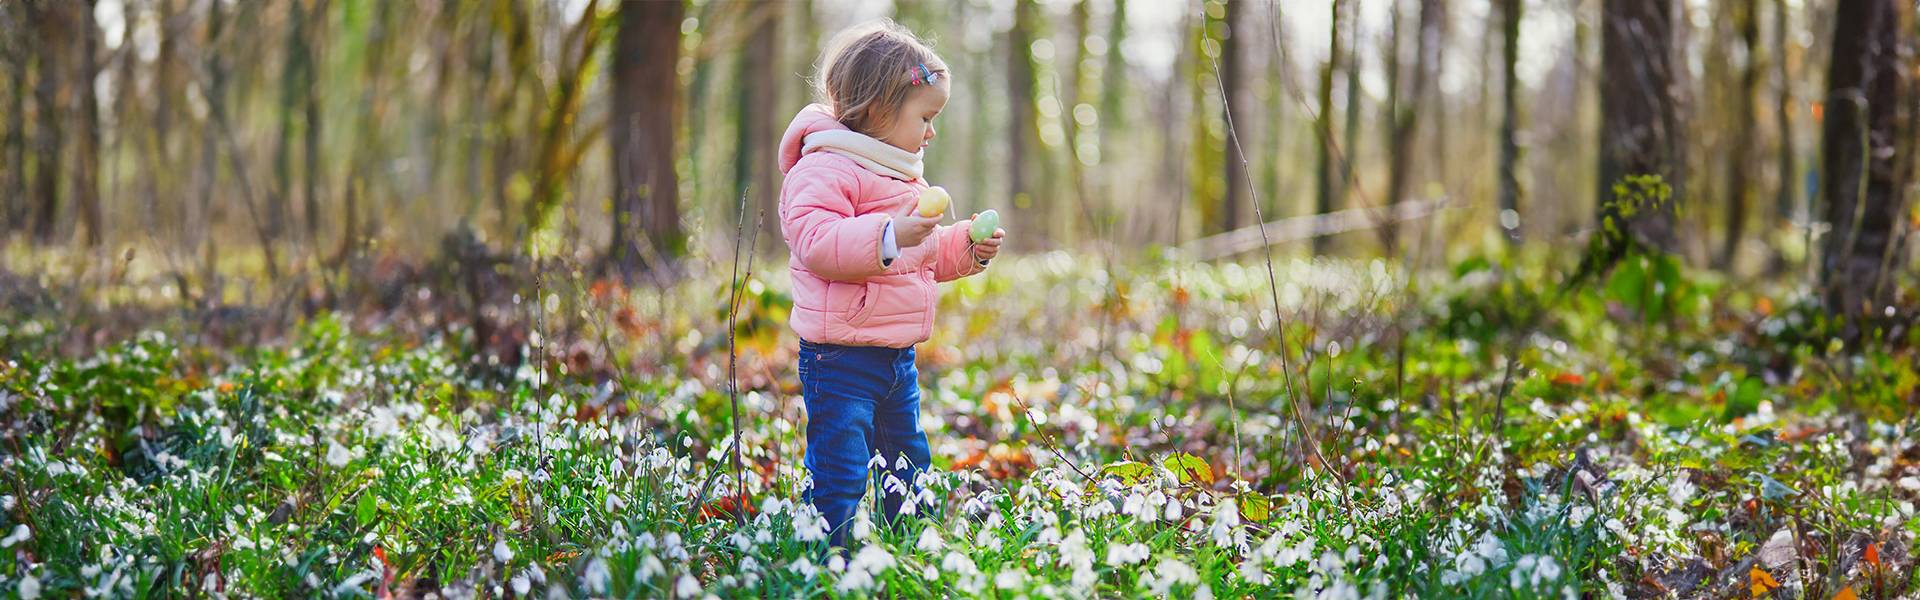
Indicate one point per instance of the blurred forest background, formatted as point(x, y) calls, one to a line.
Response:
point(278, 137)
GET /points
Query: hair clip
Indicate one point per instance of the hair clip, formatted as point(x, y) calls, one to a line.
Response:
point(927, 76)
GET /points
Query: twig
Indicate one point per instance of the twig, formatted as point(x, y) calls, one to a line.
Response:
point(734, 285)
point(1045, 438)
point(1273, 282)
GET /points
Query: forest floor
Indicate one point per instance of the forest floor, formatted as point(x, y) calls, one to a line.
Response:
point(1486, 431)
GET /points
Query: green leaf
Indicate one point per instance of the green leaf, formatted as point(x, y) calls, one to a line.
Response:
point(1744, 399)
point(1128, 472)
point(367, 509)
point(1255, 506)
point(1189, 468)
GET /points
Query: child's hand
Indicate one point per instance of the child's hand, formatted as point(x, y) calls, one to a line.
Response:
point(988, 248)
point(910, 230)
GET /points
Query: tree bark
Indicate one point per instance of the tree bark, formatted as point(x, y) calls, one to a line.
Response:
point(1022, 115)
point(1787, 197)
point(1232, 47)
point(758, 87)
point(642, 122)
point(52, 37)
point(1740, 155)
point(291, 84)
point(86, 172)
point(1407, 120)
point(13, 208)
point(1638, 134)
point(1323, 126)
point(1509, 191)
point(1864, 173)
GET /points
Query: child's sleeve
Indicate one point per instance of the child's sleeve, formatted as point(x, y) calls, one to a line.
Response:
point(956, 257)
point(817, 219)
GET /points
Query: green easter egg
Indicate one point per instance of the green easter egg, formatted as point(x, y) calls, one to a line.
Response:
point(984, 224)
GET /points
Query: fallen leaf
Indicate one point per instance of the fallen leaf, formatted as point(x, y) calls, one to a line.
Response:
point(1569, 379)
point(1759, 582)
point(1846, 593)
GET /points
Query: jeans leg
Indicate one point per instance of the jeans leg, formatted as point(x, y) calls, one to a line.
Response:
point(840, 391)
point(898, 434)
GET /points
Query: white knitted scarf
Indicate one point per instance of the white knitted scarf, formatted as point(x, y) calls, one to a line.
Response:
point(877, 156)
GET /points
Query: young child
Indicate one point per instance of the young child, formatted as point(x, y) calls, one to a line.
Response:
point(864, 263)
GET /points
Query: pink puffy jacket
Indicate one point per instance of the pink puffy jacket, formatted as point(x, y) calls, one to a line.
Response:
point(832, 212)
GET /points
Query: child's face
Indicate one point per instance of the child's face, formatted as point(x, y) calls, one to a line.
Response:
point(912, 127)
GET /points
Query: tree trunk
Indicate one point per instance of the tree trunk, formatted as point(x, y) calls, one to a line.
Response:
point(310, 100)
point(291, 84)
point(1787, 197)
point(1740, 154)
point(1638, 135)
point(1323, 126)
point(641, 127)
point(1232, 47)
point(1864, 173)
point(13, 208)
point(86, 171)
point(1407, 120)
point(52, 35)
point(1113, 79)
point(1022, 116)
point(758, 98)
point(200, 217)
point(1509, 104)
point(1348, 152)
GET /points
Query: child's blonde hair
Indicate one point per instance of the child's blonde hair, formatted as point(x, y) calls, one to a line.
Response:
point(867, 70)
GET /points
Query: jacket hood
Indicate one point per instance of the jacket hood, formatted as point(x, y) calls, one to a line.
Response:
point(815, 117)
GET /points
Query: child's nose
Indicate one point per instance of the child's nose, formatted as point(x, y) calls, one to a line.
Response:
point(930, 132)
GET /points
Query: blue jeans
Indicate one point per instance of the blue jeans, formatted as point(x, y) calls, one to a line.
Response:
point(862, 401)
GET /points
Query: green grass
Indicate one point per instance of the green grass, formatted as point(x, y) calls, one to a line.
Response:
point(1643, 448)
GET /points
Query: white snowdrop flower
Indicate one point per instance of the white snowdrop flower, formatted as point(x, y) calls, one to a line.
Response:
point(337, 455)
point(1012, 578)
point(520, 584)
point(1172, 513)
point(1133, 504)
point(1680, 490)
point(901, 463)
point(1171, 572)
point(650, 567)
point(955, 562)
point(1121, 555)
point(687, 586)
point(615, 503)
point(974, 506)
point(808, 524)
point(893, 485)
point(598, 577)
point(862, 526)
point(1254, 569)
point(1579, 515)
point(1908, 483)
point(1226, 525)
point(20, 534)
point(501, 552)
point(854, 581)
point(930, 541)
point(7, 502)
point(804, 568)
point(872, 558)
point(877, 462)
point(29, 588)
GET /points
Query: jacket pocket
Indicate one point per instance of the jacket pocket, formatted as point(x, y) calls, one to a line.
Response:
point(863, 307)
